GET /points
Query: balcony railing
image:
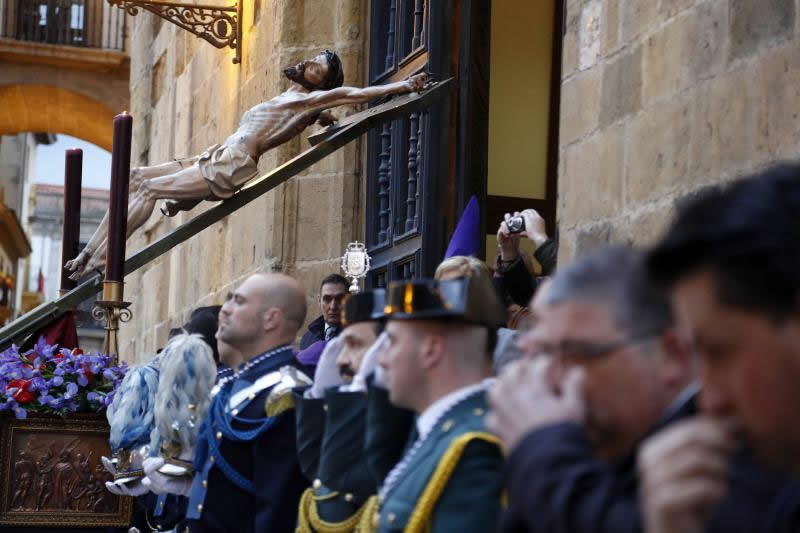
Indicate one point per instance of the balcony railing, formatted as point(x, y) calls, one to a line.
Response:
point(87, 23)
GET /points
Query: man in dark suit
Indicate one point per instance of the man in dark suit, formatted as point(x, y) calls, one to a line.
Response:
point(606, 366)
point(332, 292)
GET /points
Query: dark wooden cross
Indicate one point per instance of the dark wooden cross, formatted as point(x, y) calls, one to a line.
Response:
point(323, 144)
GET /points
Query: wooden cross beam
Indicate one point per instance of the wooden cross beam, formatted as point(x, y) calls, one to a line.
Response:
point(324, 143)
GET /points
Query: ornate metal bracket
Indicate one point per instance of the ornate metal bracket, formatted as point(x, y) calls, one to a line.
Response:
point(220, 26)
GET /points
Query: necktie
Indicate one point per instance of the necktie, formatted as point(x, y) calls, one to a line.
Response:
point(330, 332)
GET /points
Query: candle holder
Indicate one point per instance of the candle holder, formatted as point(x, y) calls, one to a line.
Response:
point(112, 310)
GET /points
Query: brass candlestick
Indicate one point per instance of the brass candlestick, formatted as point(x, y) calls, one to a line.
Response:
point(112, 310)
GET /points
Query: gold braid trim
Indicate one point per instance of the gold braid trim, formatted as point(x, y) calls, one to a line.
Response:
point(368, 522)
point(303, 524)
point(309, 521)
point(418, 522)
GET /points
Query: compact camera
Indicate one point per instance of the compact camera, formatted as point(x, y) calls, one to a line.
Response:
point(516, 224)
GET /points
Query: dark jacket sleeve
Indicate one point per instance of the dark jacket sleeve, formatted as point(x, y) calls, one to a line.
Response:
point(343, 466)
point(546, 255)
point(556, 486)
point(277, 477)
point(388, 431)
point(518, 283)
point(310, 415)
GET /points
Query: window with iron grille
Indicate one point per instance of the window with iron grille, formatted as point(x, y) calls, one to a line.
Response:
point(396, 163)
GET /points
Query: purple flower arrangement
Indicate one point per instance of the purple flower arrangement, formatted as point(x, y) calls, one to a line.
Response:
point(57, 381)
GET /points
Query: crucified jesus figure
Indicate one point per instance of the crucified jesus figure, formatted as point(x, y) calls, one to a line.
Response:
point(223, 169)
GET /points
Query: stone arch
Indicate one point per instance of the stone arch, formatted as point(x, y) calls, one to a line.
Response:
point(41, 108)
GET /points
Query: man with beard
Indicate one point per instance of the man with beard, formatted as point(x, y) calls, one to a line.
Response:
point(225, 168)
point(331, 423)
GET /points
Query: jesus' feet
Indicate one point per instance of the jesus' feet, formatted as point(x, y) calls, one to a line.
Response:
point(76, 266)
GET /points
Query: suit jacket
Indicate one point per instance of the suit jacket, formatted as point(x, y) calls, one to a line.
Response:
point(269, 461)
point(556, 485)
point(452, 482)
point(316, 332)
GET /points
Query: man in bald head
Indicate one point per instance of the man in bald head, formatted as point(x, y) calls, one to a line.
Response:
point(247, 476)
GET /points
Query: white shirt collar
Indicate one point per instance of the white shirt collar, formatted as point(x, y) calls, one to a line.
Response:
point(430, 416)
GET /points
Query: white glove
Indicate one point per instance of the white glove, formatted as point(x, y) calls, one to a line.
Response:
point(132, 488)
point(108, 465)
point(327, 373)
point(160, 483)
point(369, 364)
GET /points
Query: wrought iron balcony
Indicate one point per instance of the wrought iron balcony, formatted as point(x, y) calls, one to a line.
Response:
point(84, 23)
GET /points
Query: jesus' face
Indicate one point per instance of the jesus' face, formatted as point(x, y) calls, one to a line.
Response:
point(310, 73)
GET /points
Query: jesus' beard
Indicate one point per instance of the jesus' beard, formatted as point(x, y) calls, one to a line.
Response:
point(296, 74)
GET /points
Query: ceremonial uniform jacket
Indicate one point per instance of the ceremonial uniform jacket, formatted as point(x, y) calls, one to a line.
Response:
point(330, 447)
point(269, 461)
point(449, 480)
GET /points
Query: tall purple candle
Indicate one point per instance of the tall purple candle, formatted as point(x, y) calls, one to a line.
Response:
point(73, 169)
point(118, 211)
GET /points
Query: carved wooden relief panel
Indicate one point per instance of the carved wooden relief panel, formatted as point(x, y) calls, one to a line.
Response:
point(52, 474)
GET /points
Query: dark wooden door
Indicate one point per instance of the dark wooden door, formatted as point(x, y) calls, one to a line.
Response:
point(405, 160)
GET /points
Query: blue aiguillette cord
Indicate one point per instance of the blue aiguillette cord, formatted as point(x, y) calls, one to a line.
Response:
point(220, 420)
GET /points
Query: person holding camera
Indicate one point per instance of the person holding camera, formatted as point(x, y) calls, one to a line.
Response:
point(515, 277)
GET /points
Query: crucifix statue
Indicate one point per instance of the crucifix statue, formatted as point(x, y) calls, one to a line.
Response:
point(217, 173)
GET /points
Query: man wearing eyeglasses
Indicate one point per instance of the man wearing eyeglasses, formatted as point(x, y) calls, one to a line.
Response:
point(605, 367)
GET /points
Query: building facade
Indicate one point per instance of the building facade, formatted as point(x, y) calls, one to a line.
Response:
point(600, 114)
point(660, 98)
point(42, 269)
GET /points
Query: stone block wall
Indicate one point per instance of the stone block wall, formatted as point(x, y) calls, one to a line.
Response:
point(187, 95)
point(661, 97)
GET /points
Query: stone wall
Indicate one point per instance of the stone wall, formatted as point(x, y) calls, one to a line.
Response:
point(661, 97)
point(187, 95)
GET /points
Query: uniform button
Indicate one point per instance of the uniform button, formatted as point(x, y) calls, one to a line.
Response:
point(211, 459)
point(391, 518)
point(317, 484)
point(325, 407)
point(235, 412)
point(448, 425)
point(205, 483)
point(200, 508)
point(219, 435)
point(348, 497)
point(478, 411)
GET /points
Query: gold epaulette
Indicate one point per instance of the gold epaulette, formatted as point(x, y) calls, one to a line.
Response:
point(309, 521)
point(280, 398)
point(420, 516)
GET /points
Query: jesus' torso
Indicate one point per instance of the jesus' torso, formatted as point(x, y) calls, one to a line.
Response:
point(272, 123)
